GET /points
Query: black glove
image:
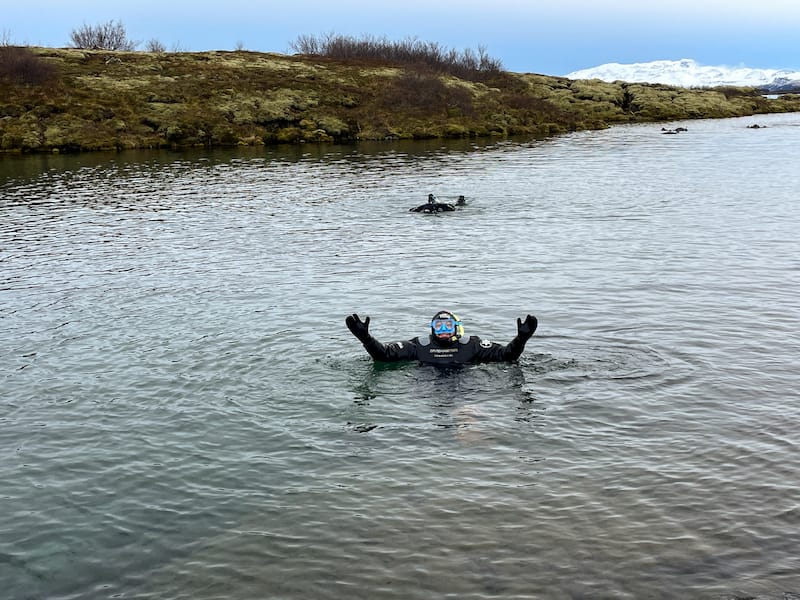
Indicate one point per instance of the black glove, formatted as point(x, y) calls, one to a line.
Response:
point(357, 327)
point(526, 328)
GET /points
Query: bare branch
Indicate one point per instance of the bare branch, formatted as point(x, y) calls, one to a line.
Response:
point(411, 51)
point(105, 36)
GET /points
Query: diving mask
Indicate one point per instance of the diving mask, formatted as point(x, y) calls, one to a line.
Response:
point(441, 326)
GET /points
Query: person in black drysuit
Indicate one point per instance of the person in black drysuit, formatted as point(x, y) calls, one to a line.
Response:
point(446, 344)
point(433, 206)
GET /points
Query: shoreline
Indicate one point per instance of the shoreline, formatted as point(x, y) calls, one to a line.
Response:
point(96, 100)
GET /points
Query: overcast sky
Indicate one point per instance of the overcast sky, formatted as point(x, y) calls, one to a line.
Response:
point(537, 36)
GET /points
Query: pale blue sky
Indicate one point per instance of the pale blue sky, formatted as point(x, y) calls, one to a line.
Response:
point(535, 36)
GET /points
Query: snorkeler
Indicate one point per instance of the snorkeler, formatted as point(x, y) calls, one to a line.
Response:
point(446, 344)
point(432, 206)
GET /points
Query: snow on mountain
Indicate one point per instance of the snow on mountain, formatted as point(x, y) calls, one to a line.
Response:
point(688, 73)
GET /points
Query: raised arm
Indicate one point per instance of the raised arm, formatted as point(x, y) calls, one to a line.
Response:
point(493, 352)
point(378, 351)
point(525, 331)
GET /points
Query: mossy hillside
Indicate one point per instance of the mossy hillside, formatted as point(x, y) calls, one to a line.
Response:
point(105, 100)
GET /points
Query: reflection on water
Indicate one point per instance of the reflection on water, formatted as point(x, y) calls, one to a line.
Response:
point(185, 415)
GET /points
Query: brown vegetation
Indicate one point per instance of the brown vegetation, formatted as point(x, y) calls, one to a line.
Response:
point(21, 66)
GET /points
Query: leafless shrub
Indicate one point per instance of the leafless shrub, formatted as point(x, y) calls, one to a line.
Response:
point(411, 52)
point(307, 44)
point(105, 36)
point(415, 90)
point(426, 92)
point(155, 46)
point(21, 65)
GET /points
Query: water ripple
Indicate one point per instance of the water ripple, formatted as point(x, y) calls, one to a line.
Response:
point(185, 415)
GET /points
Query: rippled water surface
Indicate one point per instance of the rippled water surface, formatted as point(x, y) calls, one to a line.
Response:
point(185, 415)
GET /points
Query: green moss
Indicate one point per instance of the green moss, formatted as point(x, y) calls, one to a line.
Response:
point(289, 134)
point(333, 126)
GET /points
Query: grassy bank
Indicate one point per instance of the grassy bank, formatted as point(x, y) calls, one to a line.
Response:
point(79, 100)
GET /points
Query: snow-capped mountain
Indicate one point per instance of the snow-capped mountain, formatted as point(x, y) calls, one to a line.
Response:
point(689, 73)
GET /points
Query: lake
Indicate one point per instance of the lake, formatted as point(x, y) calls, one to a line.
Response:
point(185, 414)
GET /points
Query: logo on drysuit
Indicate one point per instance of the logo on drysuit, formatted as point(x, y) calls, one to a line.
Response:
point(486, 344)
point(441, 352)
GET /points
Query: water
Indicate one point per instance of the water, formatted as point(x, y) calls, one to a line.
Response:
point(184, 414)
